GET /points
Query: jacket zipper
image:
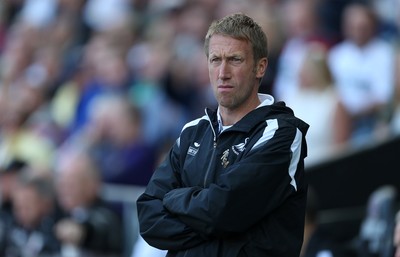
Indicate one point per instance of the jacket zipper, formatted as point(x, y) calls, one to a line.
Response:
point(210, 164)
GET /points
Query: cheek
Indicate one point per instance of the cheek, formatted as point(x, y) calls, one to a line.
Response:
point(212, 73)
point(213, 77)
point(27, 212)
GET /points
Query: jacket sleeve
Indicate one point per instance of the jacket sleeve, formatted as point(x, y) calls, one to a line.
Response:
point(248, 190)
point(159, 227)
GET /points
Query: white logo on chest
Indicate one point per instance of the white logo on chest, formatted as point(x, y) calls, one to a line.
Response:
point(193, 150)
point(224, 158)
point(237, 149)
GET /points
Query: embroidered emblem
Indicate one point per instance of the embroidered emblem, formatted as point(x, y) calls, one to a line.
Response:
point(192, 151)
point(240, 147)
point(224, 158)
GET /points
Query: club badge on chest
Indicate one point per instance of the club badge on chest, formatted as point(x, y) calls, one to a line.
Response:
point(224, 158)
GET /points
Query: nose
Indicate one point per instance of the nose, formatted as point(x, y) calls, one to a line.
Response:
point(223, 73)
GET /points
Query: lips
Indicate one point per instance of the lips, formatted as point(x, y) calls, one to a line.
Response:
point(225, 87)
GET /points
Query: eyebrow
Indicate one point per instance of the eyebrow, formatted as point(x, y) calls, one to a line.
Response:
point(232, 55)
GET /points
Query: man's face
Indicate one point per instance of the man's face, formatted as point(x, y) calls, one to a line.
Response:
point(71, 191)
point(358, 27)
point(28, 206)
point(72, 187)
point(233, 73)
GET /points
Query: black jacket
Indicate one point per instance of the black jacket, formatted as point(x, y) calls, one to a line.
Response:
point(103, 229)
point(238, 193)
point(18, 241)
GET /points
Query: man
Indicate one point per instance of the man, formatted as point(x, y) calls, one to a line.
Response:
point(363, 66)
point(233, 183)
point(88, 226)
point(30, 231)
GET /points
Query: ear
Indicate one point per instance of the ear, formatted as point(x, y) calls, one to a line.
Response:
point(261, 67)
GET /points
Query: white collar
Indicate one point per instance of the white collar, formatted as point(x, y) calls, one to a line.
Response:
point(265, 99)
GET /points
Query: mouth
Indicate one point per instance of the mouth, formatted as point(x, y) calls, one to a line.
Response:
point(223, 88)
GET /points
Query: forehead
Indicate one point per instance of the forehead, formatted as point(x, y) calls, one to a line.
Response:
point(24, 192)
point(357, 15)
point(223, 45)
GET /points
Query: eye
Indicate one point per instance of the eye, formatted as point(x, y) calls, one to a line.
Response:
point(215, 60)
point(236, 59)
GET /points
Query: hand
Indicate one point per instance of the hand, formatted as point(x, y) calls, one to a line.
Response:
point(70, 232)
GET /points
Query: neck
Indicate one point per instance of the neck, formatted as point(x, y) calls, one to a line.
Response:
point(232, 115)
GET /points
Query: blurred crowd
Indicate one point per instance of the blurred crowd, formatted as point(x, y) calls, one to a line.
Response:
point(96, 91)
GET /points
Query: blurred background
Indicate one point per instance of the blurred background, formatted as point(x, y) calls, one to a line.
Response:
point(106, 86)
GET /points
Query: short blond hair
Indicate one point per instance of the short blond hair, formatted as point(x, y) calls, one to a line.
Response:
point(242, 27)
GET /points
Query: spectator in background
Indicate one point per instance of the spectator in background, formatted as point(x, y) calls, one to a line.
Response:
point(17, 138)
point(88, 225)
point(317, 102)
point(149, 62)
point(300, 26)
point(179, 82)
point(22, 96)
point(114, 138)
point(375, 236)
point(147, 94)
point(108, 74)
point(363, 70)
point(30, 232)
